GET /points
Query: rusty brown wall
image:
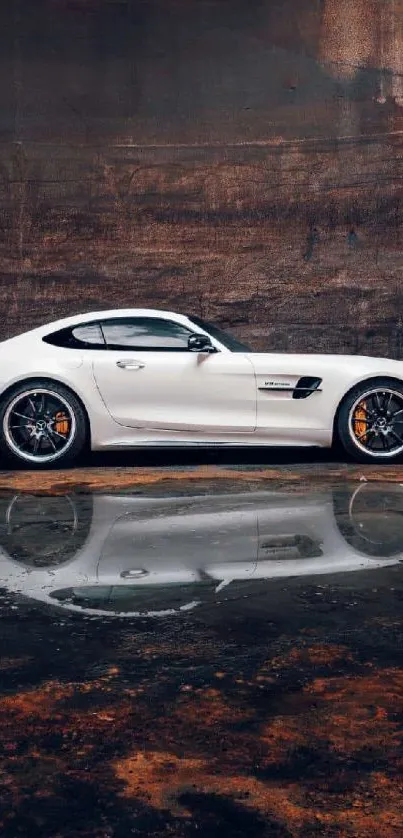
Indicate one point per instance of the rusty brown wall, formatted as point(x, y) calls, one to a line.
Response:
point(240, 158)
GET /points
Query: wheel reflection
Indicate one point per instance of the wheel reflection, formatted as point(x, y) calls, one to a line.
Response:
point(370, 520)
point(44, 531)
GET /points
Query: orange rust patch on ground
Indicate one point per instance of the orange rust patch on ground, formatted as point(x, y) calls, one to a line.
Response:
point(338, 716)
point(347, 713)
point(385, 685)
point(359, 711)
point(41, 701)
point(321, 655)
point(281, 736)
point(35, 716)
point(211, 742)
point(160, 779)
point(317, 655)
point(34, 702)
point(115, 479)
point(207, 709)
point(59, 482)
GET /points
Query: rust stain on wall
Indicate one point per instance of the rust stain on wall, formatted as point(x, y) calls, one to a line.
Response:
point(365, 34)
point(348, 35)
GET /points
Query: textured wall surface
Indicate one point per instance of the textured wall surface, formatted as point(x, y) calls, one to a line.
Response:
point(239, 158)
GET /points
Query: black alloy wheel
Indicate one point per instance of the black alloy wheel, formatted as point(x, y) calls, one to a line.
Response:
point(370, 422)
point(42, 423)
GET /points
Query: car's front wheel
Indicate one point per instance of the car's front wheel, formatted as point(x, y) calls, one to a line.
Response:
point(42, 424)
point(370, 421)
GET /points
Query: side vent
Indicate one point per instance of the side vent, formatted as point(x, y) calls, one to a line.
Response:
point(306, 386)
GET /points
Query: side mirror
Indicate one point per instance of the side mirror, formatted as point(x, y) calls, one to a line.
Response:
point(200, 343)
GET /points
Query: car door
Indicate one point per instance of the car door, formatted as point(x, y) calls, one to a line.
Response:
point(148, 378)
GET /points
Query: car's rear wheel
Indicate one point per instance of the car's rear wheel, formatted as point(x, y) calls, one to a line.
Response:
point(370, 421)
point(42, 424)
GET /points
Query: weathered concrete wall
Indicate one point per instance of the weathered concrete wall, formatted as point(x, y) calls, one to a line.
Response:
point(238, 158)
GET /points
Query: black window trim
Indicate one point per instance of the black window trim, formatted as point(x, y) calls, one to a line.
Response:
point(67, 332)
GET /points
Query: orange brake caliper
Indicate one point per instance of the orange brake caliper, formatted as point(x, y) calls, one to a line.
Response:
point(360, 422)
point(62, 424)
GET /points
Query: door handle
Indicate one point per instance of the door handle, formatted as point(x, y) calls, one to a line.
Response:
point(130, 364)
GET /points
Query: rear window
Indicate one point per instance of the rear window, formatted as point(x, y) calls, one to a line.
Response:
point(85, 336)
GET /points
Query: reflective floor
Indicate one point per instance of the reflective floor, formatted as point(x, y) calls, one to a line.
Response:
point(202, 662)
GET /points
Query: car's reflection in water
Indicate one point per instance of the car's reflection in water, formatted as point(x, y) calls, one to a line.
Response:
point(131, 555)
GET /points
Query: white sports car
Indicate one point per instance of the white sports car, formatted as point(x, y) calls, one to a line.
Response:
point(138, 377)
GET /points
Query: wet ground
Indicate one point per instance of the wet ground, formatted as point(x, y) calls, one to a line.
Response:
point(202, 650)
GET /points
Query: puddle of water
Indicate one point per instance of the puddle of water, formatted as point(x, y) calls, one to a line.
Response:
point(129, 555)
point(278, 707)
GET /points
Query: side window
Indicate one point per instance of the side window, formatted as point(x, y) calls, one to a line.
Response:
point(91, 335)
point(145, 333)
point(86, 336)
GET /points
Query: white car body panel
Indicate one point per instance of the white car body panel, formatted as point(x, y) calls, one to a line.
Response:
point(178, 391)
point(191, 398)
point(278, 412)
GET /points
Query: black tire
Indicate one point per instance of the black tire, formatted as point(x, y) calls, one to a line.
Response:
point(24, 425)
point(380, 436)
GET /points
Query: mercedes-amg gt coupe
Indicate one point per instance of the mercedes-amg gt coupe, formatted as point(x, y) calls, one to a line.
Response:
point(132, 378)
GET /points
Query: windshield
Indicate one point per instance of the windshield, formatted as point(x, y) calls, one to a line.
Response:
point(227, 340)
